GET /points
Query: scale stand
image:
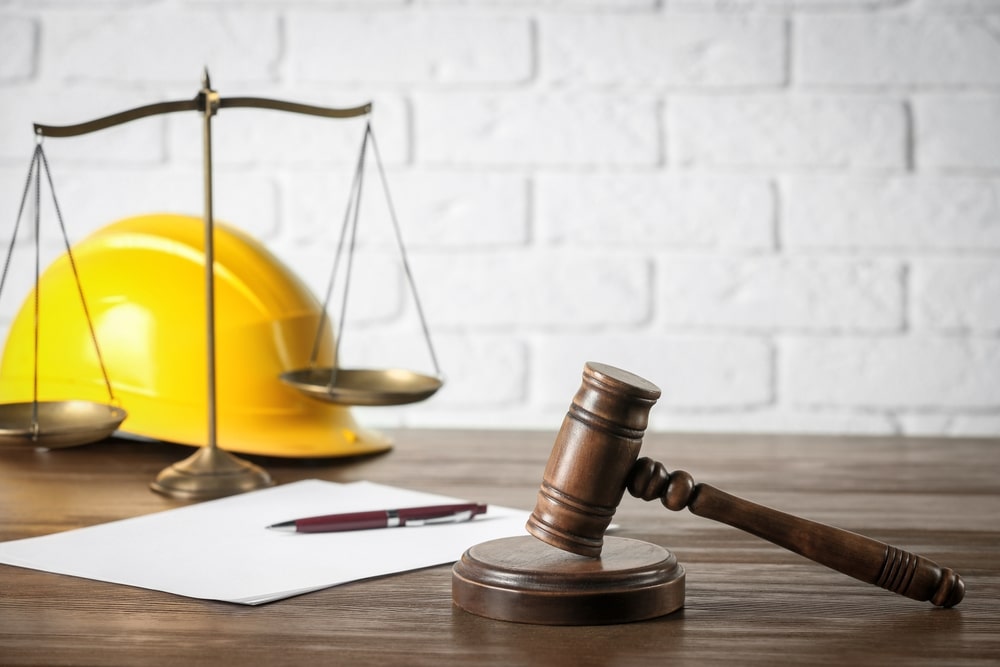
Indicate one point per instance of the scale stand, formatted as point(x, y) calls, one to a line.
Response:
point(209, 472)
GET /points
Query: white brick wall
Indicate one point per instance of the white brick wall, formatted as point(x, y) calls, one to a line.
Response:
point(958, 132)
point(662, 50)
point(425, 47)
point(786, 213)
point(897, 50)
point(784, 130)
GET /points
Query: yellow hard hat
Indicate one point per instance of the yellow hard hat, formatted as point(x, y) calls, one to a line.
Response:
point(144, 283)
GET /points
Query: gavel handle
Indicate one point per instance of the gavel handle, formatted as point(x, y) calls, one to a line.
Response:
point(855, 555)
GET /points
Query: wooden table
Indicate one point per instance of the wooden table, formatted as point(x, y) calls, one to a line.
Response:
point(748, 602)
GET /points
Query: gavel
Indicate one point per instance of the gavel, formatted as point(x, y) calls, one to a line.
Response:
point(594, 460)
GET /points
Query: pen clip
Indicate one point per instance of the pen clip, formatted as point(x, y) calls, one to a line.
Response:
point(465, 515)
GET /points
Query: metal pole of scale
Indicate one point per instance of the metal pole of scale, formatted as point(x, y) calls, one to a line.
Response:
point(210, 472)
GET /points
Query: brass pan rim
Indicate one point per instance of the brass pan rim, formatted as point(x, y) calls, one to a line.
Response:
point(59, 423)
point(363, 386)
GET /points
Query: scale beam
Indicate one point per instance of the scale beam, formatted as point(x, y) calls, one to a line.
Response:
point(196, 104)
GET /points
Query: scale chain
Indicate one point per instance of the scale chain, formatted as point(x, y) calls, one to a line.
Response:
point(37, 164)
point(350, 220)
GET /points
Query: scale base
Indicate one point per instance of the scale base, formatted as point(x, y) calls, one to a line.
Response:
point(210, 473)
point(524, 580)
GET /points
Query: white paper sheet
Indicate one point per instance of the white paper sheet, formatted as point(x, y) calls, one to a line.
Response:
point(221, 550)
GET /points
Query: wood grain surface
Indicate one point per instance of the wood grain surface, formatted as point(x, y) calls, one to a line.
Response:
point(748, 601)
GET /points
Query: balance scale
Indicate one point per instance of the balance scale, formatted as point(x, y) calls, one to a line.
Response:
point(211, 472)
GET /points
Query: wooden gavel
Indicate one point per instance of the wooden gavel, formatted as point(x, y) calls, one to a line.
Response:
point(595, 458)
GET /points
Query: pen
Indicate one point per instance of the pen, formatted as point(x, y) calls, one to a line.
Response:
point(410, 516)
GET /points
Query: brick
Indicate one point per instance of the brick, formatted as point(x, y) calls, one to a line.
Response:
point(956, 294)
point(162, 46)
point(787, 131)
point(655, 210)
point(799, 5)
point(338, 4)
point(434, 209)
point(133, 143)
point(693, 50)
point(958, 131)
point(891, 212)
point(569, 5)
point(411, 47)
point(907, 51)
point(18, 40)
point(960, 5)
point(775, 293)
point(694, 373)
point(552, 128)
point(904, 373)
point(256, 137)
point(534, 290)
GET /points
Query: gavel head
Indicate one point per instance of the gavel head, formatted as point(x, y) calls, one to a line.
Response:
point(593, 454)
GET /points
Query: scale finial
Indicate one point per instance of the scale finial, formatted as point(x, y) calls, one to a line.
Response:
point(206, 81)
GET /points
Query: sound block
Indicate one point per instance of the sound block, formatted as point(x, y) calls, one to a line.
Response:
point(524, 580)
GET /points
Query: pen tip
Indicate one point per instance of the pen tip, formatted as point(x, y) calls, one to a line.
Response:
point(284, 526)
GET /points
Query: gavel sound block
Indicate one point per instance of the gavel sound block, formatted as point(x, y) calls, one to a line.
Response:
point(590, 579)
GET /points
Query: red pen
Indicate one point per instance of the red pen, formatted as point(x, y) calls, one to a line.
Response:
point(411, 516)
